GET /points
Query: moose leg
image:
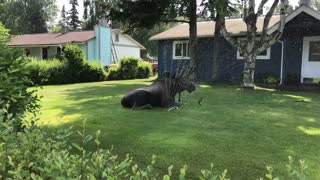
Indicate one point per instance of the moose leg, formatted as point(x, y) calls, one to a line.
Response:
point(179, 95)
point(146, 106)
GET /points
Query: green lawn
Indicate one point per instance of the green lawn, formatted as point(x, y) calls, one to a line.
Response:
point(242, 131)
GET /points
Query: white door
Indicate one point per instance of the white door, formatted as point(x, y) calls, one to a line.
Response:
point(310, 59)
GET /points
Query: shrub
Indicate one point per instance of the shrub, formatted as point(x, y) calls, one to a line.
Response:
point(92, 72)
point(47, 72)
point(267, 78)
point(114, 73)
point(144, 69)
point(76, 62)
point(128, 67)
point(4, 34)
point(14, 81)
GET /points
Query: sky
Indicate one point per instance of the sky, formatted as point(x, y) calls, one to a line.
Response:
point(80, 8)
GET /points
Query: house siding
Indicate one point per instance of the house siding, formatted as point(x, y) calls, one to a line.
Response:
point(230, 68)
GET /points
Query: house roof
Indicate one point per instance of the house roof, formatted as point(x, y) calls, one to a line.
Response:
point(295, 13)
point(51, 38)
point(129, 37)
point(234, 26)
point(55, 39)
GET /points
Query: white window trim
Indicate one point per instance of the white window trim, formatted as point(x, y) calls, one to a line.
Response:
point(174, 50)
point(266, 57)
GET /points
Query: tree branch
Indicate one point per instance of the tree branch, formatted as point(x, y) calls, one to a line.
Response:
point(228, 37)
point(267, 20)
point(277, 35)
point(260, 9)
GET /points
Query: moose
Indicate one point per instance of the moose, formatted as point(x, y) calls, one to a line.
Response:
point(162, 93)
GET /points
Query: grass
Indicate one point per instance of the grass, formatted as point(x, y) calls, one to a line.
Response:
point(242, 131)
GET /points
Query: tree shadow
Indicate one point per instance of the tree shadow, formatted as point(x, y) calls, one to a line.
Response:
point(241, 130)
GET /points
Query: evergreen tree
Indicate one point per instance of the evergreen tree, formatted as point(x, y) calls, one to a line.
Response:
point(27, 16)
point(63, 23)
point(73, 16)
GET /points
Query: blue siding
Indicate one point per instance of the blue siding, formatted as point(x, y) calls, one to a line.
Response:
point(102, 45)
point(230, 68)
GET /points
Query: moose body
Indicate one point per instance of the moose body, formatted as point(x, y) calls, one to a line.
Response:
point(160, 94)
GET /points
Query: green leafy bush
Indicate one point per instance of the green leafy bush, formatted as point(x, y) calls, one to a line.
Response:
point(114, 73)
point(47, 72)
point(267, 78)
point(4, 34)
point(15, 97)
point(128, 67)
point(92, 72)
point(76, 62)
point(144, 69)
point(72, 68)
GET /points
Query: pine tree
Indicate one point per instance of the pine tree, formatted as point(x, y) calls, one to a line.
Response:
point(73, 16)
point(63, 21)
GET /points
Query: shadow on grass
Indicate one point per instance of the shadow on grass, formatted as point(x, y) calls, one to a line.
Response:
point(242, 131)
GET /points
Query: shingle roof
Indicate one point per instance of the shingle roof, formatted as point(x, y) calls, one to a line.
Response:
point(51, 38)
point(206, 29)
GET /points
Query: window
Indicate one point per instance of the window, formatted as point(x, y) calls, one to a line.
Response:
point(181, 50)
point(314, 53)
point(263, 55)
point(44, 53)
point(117, 37)
point(59, 50)
point(27, 52)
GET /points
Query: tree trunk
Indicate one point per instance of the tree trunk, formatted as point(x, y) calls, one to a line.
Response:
point(193, 39)
point(216, 48)
point(248, 71)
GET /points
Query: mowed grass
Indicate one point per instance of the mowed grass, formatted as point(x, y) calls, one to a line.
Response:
point(239, 130)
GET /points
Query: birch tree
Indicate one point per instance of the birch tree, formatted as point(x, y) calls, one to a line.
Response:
point(255, 42)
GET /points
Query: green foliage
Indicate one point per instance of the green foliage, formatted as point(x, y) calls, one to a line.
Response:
point(92, 72)
point(75, 59)
point(51, 71)
point(14, 96)
point(73, 70)
point(128, 67)
point(74, 22)
point(144, 69)
point(267, 78)
point(4, 34)
point(28, 16)
point(114, 73)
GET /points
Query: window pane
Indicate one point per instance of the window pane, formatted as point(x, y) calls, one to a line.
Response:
point(184, 51)
point(178, 50)
point(314, 54)
point(264, 53)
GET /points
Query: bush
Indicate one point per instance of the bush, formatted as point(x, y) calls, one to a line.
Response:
point(47, 72)
point(73, 68)
point(92, 72)
point(114, 73)
point(128, 67)
point(76, 62)
point(267, 78)
point(144, 69)
point(14, 81)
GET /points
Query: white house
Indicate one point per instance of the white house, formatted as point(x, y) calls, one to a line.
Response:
point(124, 46)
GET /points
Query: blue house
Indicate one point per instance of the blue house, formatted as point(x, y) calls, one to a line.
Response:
point(102, 45)
point(296, 57)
